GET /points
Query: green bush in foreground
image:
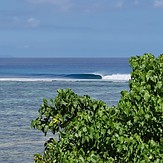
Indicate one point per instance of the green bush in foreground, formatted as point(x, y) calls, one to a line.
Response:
point(90, 131)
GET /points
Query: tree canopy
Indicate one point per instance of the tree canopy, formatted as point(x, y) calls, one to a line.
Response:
point(91, 131)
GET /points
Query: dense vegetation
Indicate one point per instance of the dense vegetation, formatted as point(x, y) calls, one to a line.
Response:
point(90, 131)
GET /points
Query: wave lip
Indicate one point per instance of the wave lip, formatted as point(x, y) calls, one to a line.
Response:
point(84, 76)
point(117, 77)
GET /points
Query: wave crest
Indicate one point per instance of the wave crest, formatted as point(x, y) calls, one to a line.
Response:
point(117, 77)
point(84, 76)
point(73, 77)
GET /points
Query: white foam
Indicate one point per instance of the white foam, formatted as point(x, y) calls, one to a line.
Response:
point(44, 79)
point(117, 77)
point(26, 79)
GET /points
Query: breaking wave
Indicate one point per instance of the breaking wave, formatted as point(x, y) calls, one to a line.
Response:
point(117, 77)
point(68, 77)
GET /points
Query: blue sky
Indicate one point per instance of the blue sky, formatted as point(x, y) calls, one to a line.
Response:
point(80, 28)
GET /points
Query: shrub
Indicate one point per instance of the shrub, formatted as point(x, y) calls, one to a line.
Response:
point(91, 131)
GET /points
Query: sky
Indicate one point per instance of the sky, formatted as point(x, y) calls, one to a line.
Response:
point(80, 28)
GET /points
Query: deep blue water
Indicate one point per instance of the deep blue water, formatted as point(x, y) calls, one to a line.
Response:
point(63, 68)
point(25, 82)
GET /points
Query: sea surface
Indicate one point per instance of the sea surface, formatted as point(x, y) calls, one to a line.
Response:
point(24, 82)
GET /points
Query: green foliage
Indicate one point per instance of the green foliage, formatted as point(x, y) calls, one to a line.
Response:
point(90, 131)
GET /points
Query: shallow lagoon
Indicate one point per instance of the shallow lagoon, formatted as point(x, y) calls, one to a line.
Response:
point(19, 104)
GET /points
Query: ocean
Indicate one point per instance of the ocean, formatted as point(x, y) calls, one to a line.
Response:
point(24, 82)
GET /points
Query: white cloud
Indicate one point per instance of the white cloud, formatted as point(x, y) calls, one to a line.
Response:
point(55, 2)
point(158, 3)
point(88, 6)
point(125, 3)
point(85, 6)
point(32, 22)
point(136, 2)
point(23, 46)
point(16, 20)
point(119, 4)
point(24, 22)
point(42, 1)
point(63, 5)
point(26, 46)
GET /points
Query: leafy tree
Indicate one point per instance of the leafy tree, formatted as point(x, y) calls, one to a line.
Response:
point(91, 131)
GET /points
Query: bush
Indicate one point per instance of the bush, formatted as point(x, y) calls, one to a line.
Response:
point(91, 131)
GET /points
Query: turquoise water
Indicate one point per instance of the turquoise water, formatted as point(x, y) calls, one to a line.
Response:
point(21, 96)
